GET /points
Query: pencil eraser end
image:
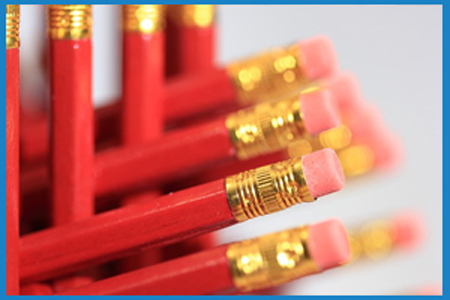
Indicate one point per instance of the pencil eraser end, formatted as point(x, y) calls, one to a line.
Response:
point(409, 229)
point(319, 111)
point(328, 244)
point(346, 91)
point(323, 172)
point(390, 152)
point(318, 57)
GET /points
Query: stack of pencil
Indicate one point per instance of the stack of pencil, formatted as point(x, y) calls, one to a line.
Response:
point(126, 199)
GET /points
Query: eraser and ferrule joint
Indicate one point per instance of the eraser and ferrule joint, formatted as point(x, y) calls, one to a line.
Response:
point(69, 22)
point(267, 189)
point(266, 128)
point(192, 15)
point(268, 76)
point(143, 18)
point(12, 26)
point(270, 260)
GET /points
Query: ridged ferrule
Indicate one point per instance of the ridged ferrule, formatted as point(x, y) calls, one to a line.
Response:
point(143, 18)
point(69, 22)
point(270, 260)
point(192, 15)
point(374, 240)
point(356, 160)
point(268, 76)
point(267, 189)
point(266, 128)
point(12, 26)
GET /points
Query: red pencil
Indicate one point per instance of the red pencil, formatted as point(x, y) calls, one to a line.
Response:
point(179, 216)
point(72, 111)
point(241, 83)
point(266, 128)
point(191, 35)
point(12, 149)
point(263, 262)
point(143, 82)
point(72, 135)
point(143, 73)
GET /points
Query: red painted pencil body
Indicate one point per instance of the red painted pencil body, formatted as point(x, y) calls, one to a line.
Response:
point(191, 39)
point(164, 220)
point(72, 120)
point(142, 87)
point(72, 130)
point(12, 171)
point(143, 82)
point(202, 273)
point(118, 170)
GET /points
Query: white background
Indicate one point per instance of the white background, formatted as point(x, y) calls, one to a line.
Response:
point(396, 52)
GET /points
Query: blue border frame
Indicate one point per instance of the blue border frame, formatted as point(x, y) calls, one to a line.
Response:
point(3, 107)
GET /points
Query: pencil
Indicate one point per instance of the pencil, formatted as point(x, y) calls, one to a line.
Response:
point(178, 216)
point(72, 135)
point(143, 82)
point(263, 262)
point(12, 149)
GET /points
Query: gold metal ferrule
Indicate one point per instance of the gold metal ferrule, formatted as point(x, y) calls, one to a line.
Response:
point(69, 22)
point(374, 240)
point(356, 160)
point(143, 18)
point(12, 26)
point(266, 128)
point(268, 76)
point(267, 189)
point(270, 260)
point(336, 138)
point(192, 15)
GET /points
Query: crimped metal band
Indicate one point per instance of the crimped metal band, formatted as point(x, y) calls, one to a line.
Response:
point(267, 189)
point(374, 240)
point(268, 76)
point(270, 260)
point(192, 15)
point(69, 22)
point(12, 26)
point(143, 18)
point(266, 128)
point(356, 159)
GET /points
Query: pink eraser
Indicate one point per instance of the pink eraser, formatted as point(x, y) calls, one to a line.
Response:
point(387, 149)
point(328, 244)
point(319, 111)
point(323, 172)
point(364, 122)
point(408, 229)
point(318, 57)
point(346, 91)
